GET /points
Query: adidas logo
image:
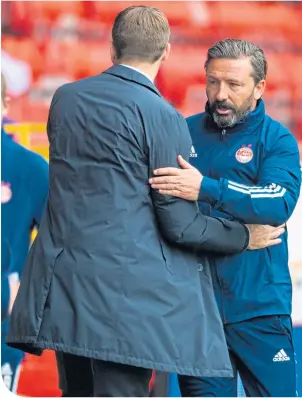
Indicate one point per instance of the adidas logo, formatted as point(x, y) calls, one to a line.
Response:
point(281, 356)
point(7, 373)
point(193, 154)
point(6, 370)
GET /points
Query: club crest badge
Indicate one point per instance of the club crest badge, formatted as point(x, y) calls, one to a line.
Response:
point(6, 192)
point(245, 154)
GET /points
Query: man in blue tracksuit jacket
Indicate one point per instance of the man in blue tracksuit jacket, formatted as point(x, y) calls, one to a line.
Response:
point(24, 190)
point(249, 170)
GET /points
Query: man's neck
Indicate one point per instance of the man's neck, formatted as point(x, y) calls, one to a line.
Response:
point(150, 70)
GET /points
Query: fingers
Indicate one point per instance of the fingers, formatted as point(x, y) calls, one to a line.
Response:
point(173, 192)
point(167, 171)
point(163, 180)
point(274, 242)
point(167, 187)
point(265, 236)
point(184, 164)
point(170, 187)
point(277, 232)
point(187, 195)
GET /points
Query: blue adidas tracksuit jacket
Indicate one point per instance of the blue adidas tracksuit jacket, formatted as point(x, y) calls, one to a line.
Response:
point(24, 191)
point(252, 174)
point(24, 184)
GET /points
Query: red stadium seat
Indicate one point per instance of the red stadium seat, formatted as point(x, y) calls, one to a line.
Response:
point(38, 377)
point(25, 50)
point(195, 100)
point(178, 12)
point(185, 66)
point(97, 57)
point(25, 110)
point(275, 15)
point(51, 10)
point(278, 104)
point(78, 59)
point(78, 47)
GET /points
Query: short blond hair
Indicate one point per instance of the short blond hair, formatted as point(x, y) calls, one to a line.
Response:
point(140, 33)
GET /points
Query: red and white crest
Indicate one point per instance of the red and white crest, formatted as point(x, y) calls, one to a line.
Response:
point(6, 192)
point(244, 154)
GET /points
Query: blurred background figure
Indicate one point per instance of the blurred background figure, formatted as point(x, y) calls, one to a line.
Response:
point(24, 190)
point(47, 38)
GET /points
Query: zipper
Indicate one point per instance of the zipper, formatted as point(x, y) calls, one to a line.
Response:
point(212, 157)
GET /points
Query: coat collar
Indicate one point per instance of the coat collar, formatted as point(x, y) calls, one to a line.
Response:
point(248, 125)
point(132, 75)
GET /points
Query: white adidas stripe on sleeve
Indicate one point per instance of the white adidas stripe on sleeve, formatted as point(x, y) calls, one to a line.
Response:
point(269, 191)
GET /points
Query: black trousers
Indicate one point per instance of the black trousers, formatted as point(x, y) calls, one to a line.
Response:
point(85, 377)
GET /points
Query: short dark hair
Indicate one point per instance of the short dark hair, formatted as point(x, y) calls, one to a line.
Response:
point(236, 49)
point(140, 33)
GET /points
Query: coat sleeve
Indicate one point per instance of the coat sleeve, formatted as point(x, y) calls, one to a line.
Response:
point(273, 199)
point(180, 221)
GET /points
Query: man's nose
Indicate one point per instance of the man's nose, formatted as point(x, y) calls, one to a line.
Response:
point(222, 94)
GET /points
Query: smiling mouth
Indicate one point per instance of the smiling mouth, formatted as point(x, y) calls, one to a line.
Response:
point(223, 111)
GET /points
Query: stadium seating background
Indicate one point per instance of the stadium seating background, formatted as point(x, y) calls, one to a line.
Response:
point(64, 41)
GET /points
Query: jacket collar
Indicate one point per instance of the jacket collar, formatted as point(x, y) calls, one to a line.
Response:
point(248, 125)
point(132, 75)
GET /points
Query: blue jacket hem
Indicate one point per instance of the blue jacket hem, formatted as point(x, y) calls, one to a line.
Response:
point(29, 344)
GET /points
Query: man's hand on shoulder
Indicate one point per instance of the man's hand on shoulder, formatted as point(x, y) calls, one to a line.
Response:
point(262, 236)
point(183, 183)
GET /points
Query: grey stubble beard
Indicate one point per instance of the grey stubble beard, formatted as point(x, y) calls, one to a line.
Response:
point(229, 121)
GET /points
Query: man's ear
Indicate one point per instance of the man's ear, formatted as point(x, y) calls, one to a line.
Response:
point(112, 53)
point(166, 53)
point(259, 89)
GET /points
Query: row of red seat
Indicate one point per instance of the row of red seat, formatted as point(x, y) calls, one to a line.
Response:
point(77, 59)
point(64, 45)
point(281, 104)
point(270, 14)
